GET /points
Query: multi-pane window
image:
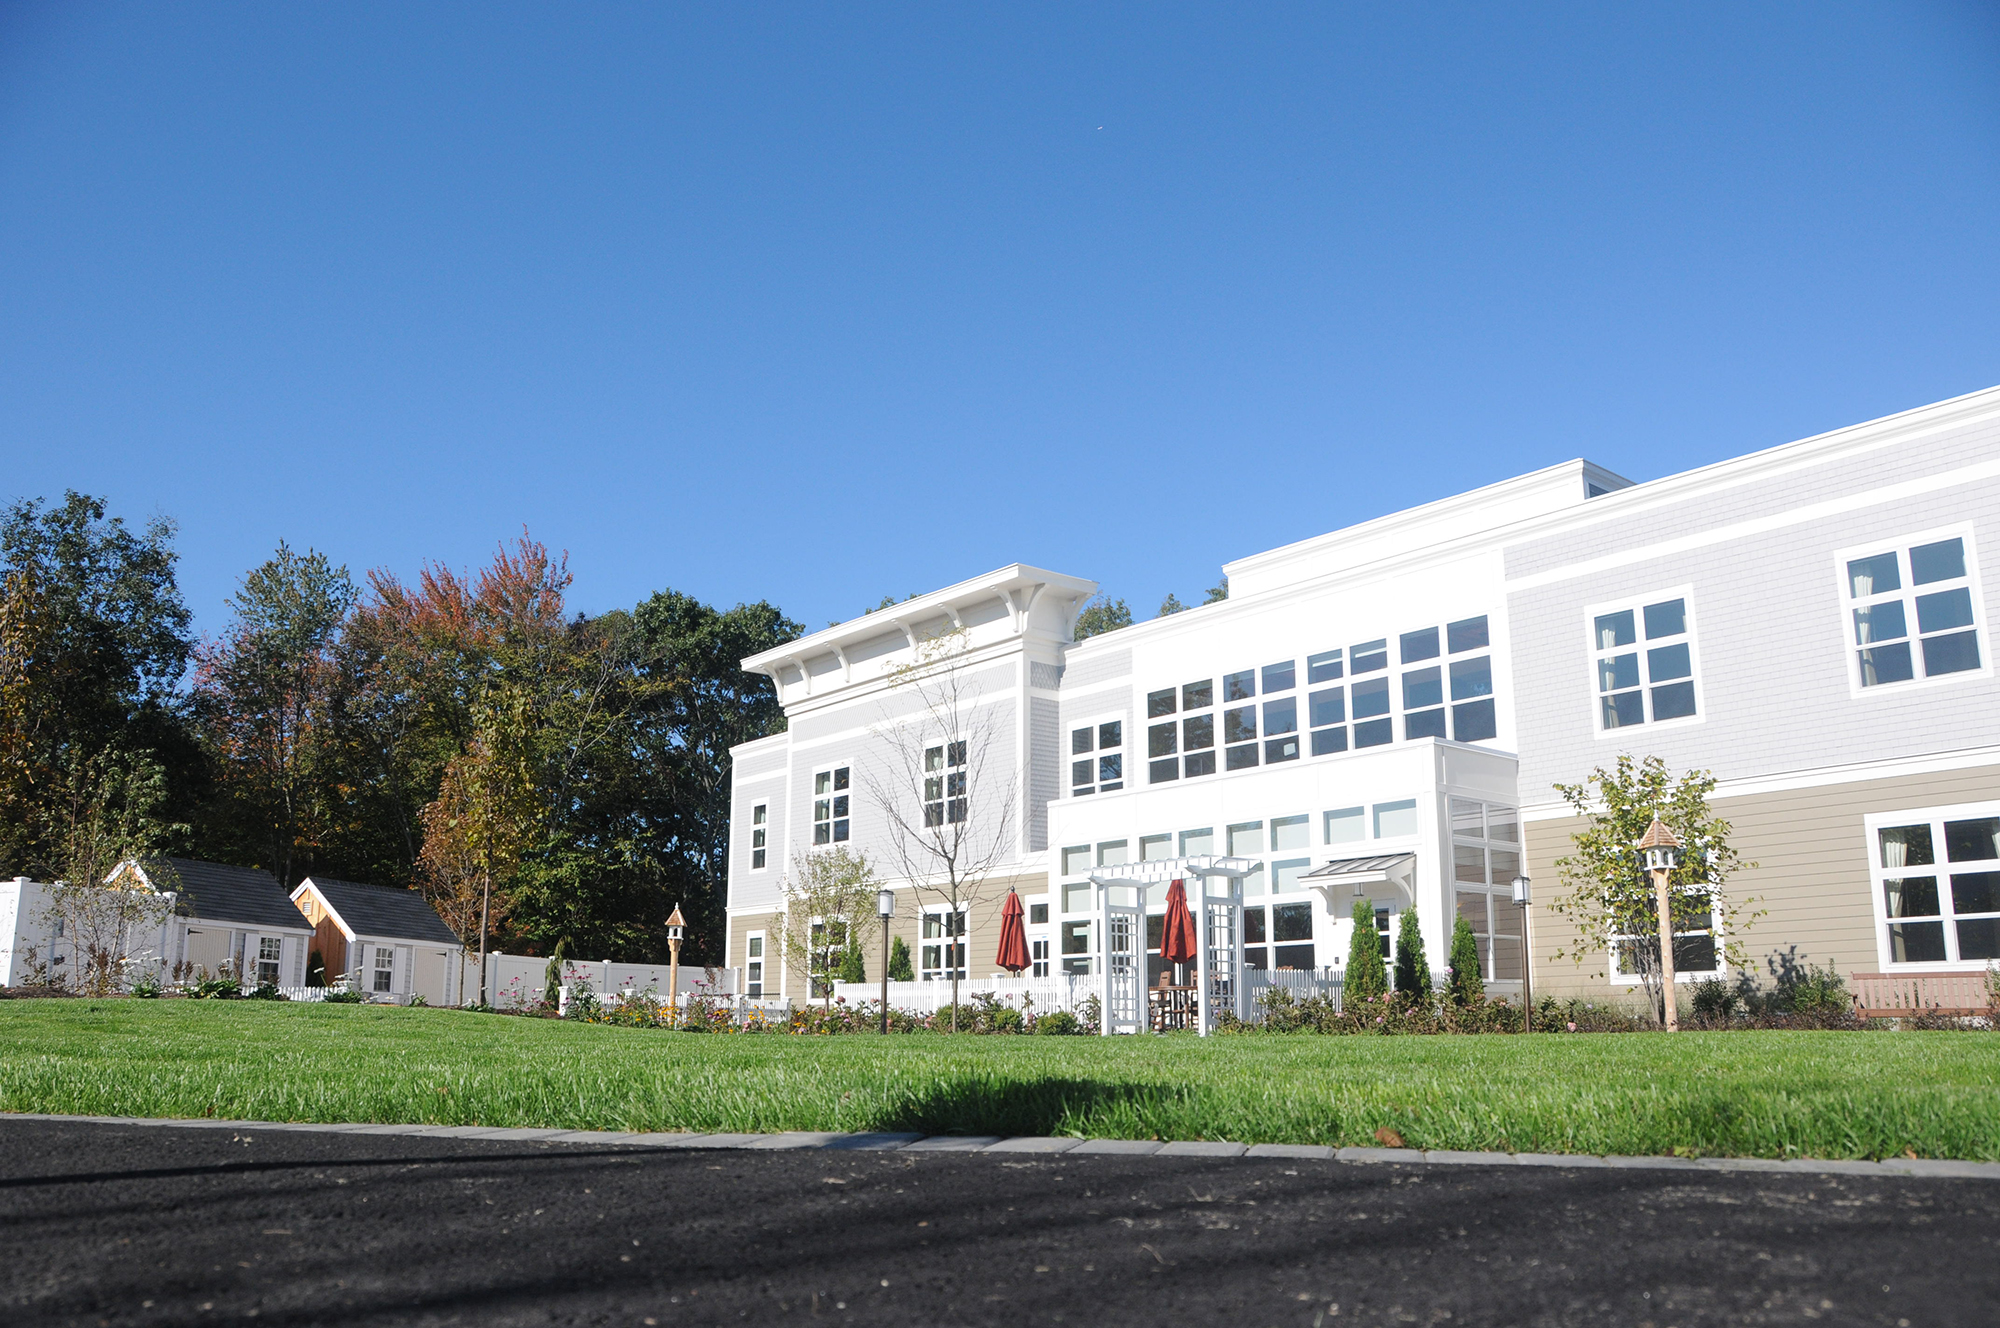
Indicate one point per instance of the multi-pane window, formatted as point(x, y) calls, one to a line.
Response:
point(1937, 883)
point(1470, 677)
point(753, 966)
point(943, 946)
point(759, 829)
point(1185, 746)
point(1912, 612)
point(1326, 706)
point(1097, 758)
point(831, 793)
point(1486, 857)
point(944, 784)
point(385, 968)
point(1642, 662)
point(270, 949)
point(1076, 948)
point(1281, 713)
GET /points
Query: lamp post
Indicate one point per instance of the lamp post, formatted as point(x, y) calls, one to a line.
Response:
point(1521, 884)
point(1663, 854)
point(675, 924)
point(885, 907)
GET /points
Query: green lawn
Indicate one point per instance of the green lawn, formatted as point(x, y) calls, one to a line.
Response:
point(1744, 1094)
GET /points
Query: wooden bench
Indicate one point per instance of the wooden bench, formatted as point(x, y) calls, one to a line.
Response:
point(1907, 995)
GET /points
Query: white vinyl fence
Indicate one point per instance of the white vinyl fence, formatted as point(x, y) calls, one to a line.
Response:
point(522, 979)
point(1061, 991)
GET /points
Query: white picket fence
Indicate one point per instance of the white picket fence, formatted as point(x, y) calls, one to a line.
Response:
point(522, 979)
point(1062, 991)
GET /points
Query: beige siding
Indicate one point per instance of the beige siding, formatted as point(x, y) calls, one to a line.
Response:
point(1811, 876)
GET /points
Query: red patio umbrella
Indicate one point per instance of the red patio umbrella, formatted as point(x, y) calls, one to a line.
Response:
point(1013, 935)
point(1177, 945)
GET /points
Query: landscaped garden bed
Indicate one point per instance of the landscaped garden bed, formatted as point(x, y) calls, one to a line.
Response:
point(1745, 1093)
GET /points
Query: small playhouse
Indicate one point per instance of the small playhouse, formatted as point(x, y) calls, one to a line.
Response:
point(389, 943)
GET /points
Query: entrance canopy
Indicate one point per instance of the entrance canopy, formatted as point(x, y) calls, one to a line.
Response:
point(1345, 879)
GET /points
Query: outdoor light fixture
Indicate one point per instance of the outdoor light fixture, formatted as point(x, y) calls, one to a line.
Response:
point(1662, 851)
point(885, 905)
point(1521, 884)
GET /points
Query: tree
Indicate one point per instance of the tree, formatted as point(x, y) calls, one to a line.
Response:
point(1171, 605)
point(1101, 615)
point(1413, 967)
point(267, 697)
point(1467, 987)
point(853, 967)
point(93, 645)
point(1366, 978)
point(109, 810)
point(899, 961)
point(1218, 592)
point(946, 794)
point(1610, 898)
point(828, 912)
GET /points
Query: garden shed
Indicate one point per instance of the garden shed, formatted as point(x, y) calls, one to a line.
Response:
point(389, 942)
point(225, 920)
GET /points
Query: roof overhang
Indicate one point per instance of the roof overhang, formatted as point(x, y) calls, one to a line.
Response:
point(1355, 877)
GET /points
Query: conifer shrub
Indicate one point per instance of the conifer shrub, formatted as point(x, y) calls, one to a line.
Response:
point(1366, 977)
point(899, 962)
point(1413, 967)
point(1467, 988)
point(852, 967)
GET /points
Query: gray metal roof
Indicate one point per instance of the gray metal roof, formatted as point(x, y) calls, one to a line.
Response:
point(1381, 862)
point(215, 892)
point(382, 910)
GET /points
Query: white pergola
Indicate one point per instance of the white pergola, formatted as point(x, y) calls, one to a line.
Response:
point(1121, 937)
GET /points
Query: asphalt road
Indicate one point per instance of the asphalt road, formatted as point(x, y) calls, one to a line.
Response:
point(113, 1225)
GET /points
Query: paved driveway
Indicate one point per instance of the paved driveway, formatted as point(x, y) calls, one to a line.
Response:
point(104, 1225)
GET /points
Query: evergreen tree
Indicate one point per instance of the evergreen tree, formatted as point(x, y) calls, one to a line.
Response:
point(1102, 614)
point(899, 962)
point(1366, 977)
point(852, 967)
point(1467, 987)
point(1413, 967)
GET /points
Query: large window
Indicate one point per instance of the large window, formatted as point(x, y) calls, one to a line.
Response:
point(1184, 747)
point(831, 793)
point(1486, 857)
point(270, 949)
point(1097, 758)
point(1643, 661)
point(759, 848)
point(1936, 876)
point(944, 784)
point(942, 951)
point(1913, 611)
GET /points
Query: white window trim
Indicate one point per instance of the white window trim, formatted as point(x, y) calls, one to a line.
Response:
point(1126, 747)
point(1682, 978)
point(1901, 545)
point(852, 791)
point(764, 979)
point(1637, 604)
point(1879, 908)
point(764, 807)
point(963, 941)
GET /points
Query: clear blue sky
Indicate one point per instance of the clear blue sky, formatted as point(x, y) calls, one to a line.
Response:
point(823, 303)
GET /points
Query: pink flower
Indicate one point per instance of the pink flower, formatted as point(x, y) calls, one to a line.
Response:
point(1572, 1028)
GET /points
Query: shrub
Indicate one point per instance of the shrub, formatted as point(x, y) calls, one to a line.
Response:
point(852, 969)
point(1713, 1002)
point(1413, 966)
point(1467, 988)
point(268, 991)
point(1818, 991)
point(344, 996)
point(147, 988)
point(418, 1000)
point(1366, 977)
point(206, 988)
point(899, 962)
point(1058, 1023)
point(1006, 1019)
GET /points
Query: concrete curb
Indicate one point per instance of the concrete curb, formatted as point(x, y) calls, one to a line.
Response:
point(949, 1143)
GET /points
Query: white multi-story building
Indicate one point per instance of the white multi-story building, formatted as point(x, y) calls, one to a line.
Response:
point(1383, 712)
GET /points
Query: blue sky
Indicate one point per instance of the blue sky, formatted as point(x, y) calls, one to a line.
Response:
point(822, 303)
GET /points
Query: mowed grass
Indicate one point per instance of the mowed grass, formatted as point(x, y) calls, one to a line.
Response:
point(1764, 1094)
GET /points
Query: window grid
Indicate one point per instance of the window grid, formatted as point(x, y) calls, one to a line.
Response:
point(1912, 611)
point(944, 784)
point(831, 799)
point(759, 829)
point(1097, 753)
point(1643, 661)
point(1936, 878)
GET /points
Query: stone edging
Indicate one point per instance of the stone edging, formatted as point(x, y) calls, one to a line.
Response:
point(953, 1143)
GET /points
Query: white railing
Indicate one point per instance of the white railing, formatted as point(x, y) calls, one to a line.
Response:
point(1058, 991)
point(523, 979)
point(1300, 982)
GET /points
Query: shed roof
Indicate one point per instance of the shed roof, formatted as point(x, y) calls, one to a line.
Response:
point(380, 910)
point(217, 892)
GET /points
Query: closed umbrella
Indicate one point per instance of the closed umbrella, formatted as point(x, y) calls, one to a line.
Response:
point(1177, 945)
point(1013, 935)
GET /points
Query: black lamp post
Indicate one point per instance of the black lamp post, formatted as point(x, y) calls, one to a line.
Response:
point(1521, 885)
point(885, 905)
